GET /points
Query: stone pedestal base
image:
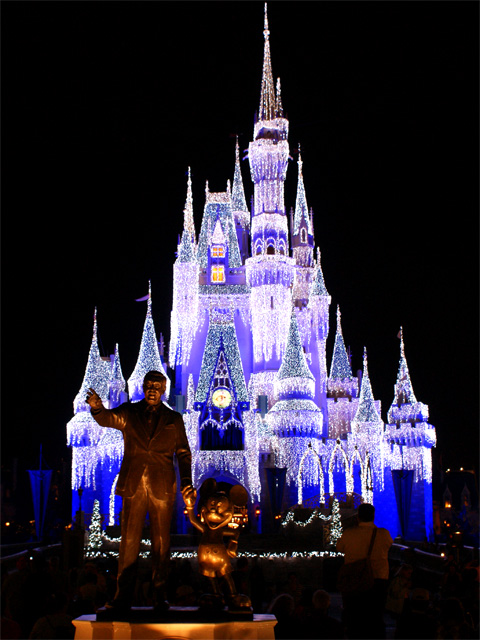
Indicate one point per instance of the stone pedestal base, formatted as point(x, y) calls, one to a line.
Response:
point(183, 624)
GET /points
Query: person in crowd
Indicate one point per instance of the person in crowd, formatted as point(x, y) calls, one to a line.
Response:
point(324, 625)
point(417, 620)
point(363, 611)
point(453, 621)
point(398, 590)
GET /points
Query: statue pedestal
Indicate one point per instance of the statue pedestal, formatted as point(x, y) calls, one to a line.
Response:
point(260, 628)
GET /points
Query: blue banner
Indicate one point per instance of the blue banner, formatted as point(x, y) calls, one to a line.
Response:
point(402, 483)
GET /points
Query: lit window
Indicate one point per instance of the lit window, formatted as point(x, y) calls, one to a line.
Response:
point(218, 251)
point(218, 273)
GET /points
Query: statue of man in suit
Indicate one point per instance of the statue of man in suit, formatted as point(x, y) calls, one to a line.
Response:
point(152, 435)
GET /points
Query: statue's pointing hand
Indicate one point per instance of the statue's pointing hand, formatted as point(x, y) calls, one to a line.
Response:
point(189, 495)
point(93, 399)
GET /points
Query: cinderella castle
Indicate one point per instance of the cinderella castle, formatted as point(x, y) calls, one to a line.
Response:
point(247, 364)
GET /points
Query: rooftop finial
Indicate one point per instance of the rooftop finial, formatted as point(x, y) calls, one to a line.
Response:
point(267, 96)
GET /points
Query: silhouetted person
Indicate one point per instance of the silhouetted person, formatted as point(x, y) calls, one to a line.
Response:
point(363, 611)
point(417, 621)
point(57, 623)
point(152, 435)
point(321, 624)
point(282, 608)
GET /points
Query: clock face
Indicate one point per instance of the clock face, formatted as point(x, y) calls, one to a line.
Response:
point(221, 398)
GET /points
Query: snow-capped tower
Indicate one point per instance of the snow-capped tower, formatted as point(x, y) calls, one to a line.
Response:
point(241, 213)
point(183, 319)
point(342, 388)
point(148, 357)
point(270, 270)
point(410, 439)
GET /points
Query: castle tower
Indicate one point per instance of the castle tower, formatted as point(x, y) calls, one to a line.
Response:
point(148, 357)
point(184, 315)
point(410, 439)
point(270, 270)
point(116, 382)
point(342, 388)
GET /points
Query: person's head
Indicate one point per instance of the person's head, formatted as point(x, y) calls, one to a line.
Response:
point(321, 601)
point(154, 386)
point(366, 512)
point(282, 607)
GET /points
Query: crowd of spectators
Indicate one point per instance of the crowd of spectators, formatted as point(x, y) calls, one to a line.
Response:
point(40, 600)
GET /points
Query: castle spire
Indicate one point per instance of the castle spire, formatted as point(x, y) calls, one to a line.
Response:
point(148, 356)
point(267, 95)
point(367, 411)
point(301, 208)
point(96, 373)
point(188, 223)
point(238, 193)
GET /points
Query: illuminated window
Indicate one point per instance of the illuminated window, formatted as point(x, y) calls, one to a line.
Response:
point(218, 251)
point(218, 273)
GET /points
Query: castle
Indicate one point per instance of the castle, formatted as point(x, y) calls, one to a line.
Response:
point(247, 352)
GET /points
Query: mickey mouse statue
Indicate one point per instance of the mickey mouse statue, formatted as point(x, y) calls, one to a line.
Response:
point(216, 513)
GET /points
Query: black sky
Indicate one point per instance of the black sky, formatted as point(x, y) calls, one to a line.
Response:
point(105, 105)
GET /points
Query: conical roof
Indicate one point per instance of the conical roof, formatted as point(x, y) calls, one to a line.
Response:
point(267, 93)
point(294, 363)
point(149, 355)
point(96, 373)
point(340, 367)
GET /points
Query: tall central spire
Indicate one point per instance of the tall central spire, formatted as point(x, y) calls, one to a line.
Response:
point(267, 96)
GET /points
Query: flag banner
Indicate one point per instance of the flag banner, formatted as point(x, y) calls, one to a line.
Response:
point(40, 483)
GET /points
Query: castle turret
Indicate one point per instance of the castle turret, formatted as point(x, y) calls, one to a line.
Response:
point(410, 439)
point(342, 388)
point(241, 213)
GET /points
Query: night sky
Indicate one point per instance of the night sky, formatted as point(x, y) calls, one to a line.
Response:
point(104, 107)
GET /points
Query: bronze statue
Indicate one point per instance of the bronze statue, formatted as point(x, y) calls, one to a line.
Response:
point(216, 513)
point(152, 435)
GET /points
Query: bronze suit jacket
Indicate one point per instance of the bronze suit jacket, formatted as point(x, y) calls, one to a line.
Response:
point(143, 451)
